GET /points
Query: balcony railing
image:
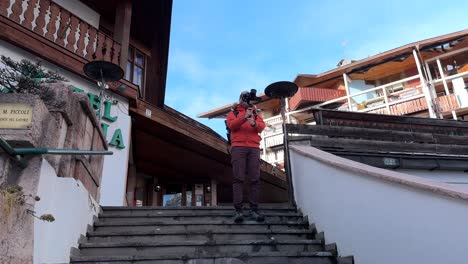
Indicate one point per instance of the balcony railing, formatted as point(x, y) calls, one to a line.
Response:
point(410, 105)
point(58, 25)
point(446, 103)
point(305, 94)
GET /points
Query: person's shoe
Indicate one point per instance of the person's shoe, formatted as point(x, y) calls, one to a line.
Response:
point(256, 216)
point(238, 217)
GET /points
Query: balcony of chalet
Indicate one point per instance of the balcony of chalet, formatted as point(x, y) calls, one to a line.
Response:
point(400, 85)
point(90, 30)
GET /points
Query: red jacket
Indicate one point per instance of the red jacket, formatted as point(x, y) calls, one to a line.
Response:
point(242, 133)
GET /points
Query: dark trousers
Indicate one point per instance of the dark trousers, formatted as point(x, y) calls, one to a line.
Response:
point(245, 161)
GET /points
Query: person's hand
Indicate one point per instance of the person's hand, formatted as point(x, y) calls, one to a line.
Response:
point(248, 113)
point(251, 121)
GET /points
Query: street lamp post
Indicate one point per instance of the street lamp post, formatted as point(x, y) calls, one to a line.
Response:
point(102, 72)
point(283, 90)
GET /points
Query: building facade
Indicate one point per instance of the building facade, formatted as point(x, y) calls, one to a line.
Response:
point(159, 153)
point(427, 78)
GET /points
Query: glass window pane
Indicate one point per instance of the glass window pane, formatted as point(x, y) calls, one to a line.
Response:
point(138, 76)
point(128, 72)
point(140, 59)
point(130, 54)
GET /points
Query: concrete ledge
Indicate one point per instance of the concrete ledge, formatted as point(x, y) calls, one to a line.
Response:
point(381, 174)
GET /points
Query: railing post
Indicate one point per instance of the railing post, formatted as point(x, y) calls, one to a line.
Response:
point(287, 161)
point(442, 76)
point(384, 89)
point(345, 78)
point(426, 91)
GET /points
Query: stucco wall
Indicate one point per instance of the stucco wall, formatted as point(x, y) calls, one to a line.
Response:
point(377, 215)
point(73, 208)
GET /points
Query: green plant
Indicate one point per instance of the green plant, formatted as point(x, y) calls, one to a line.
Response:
point(13, 196)
point(26, 77)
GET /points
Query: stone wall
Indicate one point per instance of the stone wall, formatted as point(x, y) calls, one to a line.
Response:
point(64, 120)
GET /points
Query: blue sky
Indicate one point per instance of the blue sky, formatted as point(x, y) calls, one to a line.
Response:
point(219, 48)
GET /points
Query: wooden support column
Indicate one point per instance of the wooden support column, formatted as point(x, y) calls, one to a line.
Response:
point(427, 93)
point(214, 192)
point(123, 19)
point(156, 71)
point(345, 78)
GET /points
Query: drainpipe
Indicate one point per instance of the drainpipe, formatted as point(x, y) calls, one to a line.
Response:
point(17, 153)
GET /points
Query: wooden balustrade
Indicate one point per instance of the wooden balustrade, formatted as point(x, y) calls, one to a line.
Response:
point(63, 28)
point(403, 108)
point(446, 103)
point(442, 104)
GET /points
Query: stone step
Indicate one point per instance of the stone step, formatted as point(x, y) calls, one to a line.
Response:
point(215, 225)
point(165, 216)
point(219, 258)
point(206, 247)
point(110, 210)
point(234, 234)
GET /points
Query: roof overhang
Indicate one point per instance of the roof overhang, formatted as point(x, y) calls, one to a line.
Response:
point(303, 80)
point(169, 142)
point(221, 112)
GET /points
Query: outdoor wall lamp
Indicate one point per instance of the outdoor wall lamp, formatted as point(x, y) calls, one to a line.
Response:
point(157, 188)
point(208, 189)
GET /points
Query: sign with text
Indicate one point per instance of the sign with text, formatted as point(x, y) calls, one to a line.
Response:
point(15, 115)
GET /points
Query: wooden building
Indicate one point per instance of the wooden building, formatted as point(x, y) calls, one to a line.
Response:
point(161, 157)
point(427, 78)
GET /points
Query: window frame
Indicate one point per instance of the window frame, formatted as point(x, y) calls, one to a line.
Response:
point(131, 58)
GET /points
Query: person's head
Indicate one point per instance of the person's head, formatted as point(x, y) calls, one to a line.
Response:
point(241, 101)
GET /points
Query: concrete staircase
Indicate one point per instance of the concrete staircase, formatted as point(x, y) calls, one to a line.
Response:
point(203, 235)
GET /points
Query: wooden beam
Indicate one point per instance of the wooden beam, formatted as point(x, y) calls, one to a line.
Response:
point(156, 71)
point(123, 19)
point(160, 116)
point(327, 117)
point(385, 146)
point(377, 134)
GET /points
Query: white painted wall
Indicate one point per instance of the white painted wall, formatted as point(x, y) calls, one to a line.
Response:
point(460, 91)
point(73, 208)
point(114, 176)
point(377, 215)
point(80, 10)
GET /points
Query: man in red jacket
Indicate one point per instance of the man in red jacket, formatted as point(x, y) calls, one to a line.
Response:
point(245, 125)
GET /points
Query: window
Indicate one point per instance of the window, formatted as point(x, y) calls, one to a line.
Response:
point(136, 63)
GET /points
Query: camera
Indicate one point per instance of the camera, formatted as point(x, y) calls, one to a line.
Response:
point(252, 96)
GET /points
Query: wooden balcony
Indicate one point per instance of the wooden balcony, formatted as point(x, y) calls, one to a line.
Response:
point(53, 33)
point(442, 104)
point(446, 103)
point(403, 108)
point(308, 94)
